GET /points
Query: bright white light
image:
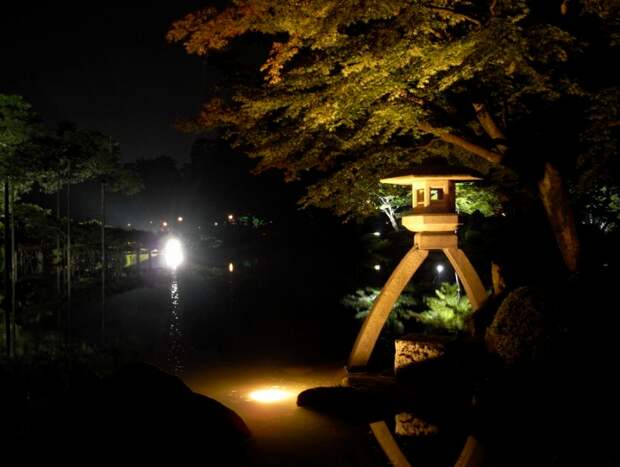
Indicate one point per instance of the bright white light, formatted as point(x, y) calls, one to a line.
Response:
point(231, 267)
point(377, 234)
point(128, 225)
point(439, 268)
point(173, 253)
point(215, 224)
point(377, 267)
point(165, 224)
point(270, 395)
point(230, 217)
point(180, 218)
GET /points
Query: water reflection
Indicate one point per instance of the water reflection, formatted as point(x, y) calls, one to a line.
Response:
point(176, 346)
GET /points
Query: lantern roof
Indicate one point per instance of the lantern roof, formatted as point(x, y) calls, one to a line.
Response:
point(445, 172)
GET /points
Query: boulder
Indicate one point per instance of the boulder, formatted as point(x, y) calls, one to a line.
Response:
point(416, 348)
point(351, 403)
point(144, 411)
point(409, 424)
point(518, 332)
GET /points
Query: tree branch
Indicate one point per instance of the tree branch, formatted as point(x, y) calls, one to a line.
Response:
point(454, 14)
point(490, 156)
point(490, 127)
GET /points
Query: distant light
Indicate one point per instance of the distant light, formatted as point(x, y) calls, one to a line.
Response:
point(180, 218)
point(173, 253)
point(215, 224)
point(231, 267)
point(439, 268)
point(230, 217)
point(165, 224)
point(198, 227)
point(270, 395)
point(150, 222)
point(377, 267)
point(128, 225)
point(377, 234)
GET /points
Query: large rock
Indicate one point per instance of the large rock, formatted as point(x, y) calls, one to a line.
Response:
point(413, 349)
point(409, 424)
point(348, 402)
point(518, 333)
point(143, 411)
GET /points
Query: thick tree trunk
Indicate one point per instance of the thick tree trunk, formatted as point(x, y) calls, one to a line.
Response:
point(554, 196)
point(551, 188)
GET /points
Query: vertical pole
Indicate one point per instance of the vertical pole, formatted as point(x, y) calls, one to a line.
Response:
point(138, 257)
point(7, 269)
point(68, 324)
point(58, 258)
point(103, 263)
point(13, 269)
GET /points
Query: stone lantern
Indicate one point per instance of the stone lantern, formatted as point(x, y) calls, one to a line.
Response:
point(434, 221)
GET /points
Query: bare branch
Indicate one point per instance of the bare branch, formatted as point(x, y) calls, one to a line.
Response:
point(454, 14)
point(475, 149)
point(490, 127)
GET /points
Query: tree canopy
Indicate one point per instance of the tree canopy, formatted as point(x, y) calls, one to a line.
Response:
point(354, 90)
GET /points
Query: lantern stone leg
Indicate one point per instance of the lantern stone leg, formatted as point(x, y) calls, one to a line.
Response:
point(467, 274)
point(373, 324)
point(389, 444)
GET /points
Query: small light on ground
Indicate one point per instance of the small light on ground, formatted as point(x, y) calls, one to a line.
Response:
point(377, 267)
point(270, 395)
point(377, 234)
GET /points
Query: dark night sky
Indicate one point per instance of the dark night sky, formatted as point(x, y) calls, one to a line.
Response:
point(107, 68)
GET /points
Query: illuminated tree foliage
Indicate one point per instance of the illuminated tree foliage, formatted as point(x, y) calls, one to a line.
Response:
point(354, 90)
point(19, 161)
point(447, 310)
point(471, 198)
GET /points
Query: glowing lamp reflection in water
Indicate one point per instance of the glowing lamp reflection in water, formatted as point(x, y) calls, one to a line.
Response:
point(270, 395)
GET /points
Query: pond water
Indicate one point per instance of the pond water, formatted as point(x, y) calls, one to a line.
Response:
point(229, 336)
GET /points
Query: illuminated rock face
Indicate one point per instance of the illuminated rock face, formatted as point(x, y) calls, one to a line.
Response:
point(411, 351)
point(408, 424)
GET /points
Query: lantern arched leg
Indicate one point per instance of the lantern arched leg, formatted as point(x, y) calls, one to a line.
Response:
point(374, 322)
point(469, 277)
point(389, 445)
